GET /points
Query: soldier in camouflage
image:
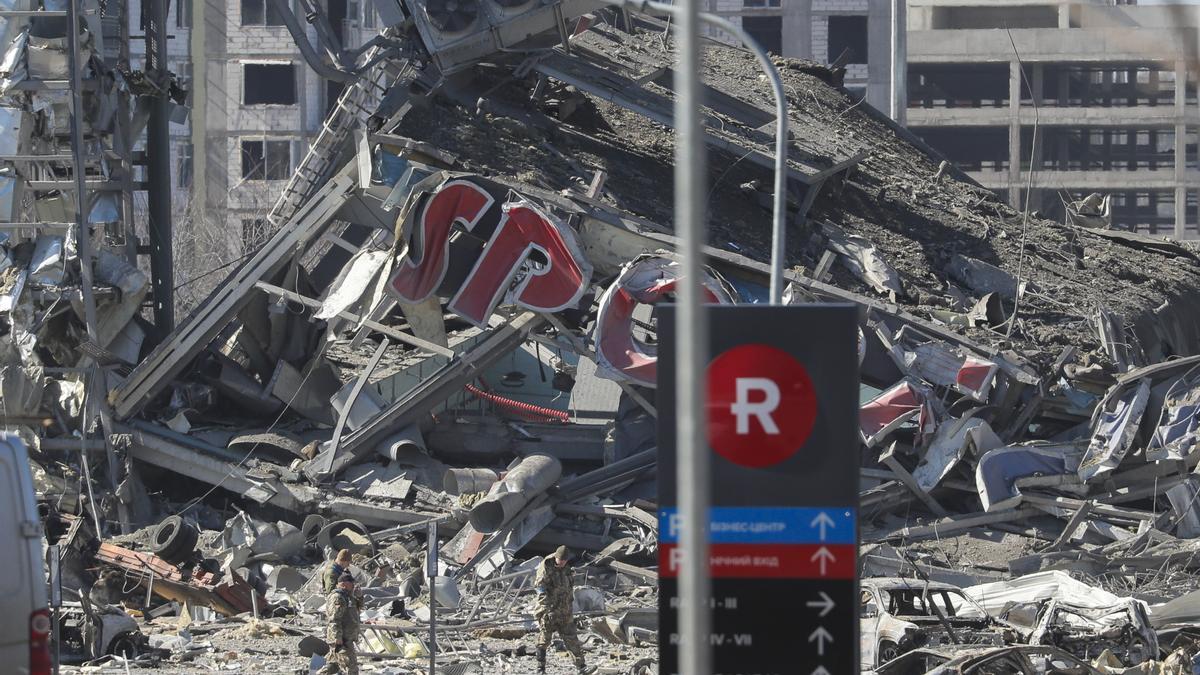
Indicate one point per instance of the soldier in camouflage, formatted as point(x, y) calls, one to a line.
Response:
point(333, 571)
point(342, 608)
point(554, 596)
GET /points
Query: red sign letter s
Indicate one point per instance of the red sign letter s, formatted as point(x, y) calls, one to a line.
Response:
point(423, 267)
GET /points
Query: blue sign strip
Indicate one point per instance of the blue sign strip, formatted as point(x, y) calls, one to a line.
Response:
point(769, 525)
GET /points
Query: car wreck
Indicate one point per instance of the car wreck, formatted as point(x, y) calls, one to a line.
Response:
point(899, 615)
point(973, 660)
point(1122, 629)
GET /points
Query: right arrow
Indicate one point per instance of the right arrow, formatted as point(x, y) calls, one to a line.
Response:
point(825, 603)
point(820, 671)
point(821, 636)
point(824, 557)
point(821, 522)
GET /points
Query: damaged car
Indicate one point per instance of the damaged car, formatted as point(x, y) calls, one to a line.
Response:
point(973, 660)
point(89, 632)
point(899, 615)
point(1123, 629)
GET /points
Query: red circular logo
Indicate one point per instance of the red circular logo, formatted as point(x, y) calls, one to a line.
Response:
point(761, 405)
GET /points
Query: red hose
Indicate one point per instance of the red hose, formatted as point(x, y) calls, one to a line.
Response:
point(527, 409)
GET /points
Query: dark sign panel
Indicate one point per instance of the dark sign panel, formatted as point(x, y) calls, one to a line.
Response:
point(783, 406)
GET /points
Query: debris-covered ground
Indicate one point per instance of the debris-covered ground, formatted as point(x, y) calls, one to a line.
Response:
point(453, 359)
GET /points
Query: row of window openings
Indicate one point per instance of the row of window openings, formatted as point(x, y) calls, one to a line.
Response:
point(847, 33)
point(262, 159)
point(264, 13)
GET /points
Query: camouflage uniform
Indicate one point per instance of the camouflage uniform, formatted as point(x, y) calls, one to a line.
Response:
point(553, 585)
point(329, 578)
point(342, 609)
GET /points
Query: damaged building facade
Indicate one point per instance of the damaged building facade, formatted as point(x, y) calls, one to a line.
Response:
point(1111, 87)
point(447, 348)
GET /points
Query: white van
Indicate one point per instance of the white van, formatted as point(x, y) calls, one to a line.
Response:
point(24, 616)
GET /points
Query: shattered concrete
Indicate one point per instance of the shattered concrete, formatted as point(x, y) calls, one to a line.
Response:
point(450, 342)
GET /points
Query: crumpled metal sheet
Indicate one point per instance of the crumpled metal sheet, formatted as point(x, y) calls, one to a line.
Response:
point(12, 65)
point(953, 442)
point(1178, 429)
point(350, 287)
point(892, 409)
point(47, 266)
point(997, 472)
point(1038, 587)
point(21, 389)
point(1114, 432)
point(864, 260)
point(940, 364)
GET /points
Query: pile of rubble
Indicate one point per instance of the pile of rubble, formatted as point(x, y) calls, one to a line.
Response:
point(447, 352)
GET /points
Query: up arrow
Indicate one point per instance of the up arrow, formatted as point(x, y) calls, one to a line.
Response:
point(823, 557)
point(825, 603)
point(821, 636)
point(820, 671)
point(821, 522)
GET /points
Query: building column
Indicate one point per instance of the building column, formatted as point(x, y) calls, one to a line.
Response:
point(198, 119)
point(797, 29)
point(899, 61)
point(1014, 134)
point(1180, 159)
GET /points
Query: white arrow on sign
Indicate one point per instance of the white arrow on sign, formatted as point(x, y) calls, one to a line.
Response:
point(820, 671)
point(821, 522)
point(824, 557)
point(825, 603)
point(821, 636)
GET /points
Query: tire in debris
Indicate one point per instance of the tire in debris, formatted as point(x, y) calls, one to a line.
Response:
point(888, 650)
point(174, 540)
point(124, 645)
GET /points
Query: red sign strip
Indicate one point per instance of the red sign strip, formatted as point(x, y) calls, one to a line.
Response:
point(769, 561)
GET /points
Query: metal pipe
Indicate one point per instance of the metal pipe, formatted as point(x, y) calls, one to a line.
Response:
point(309, 54)
point(577, 486)
point(468, 481)
point(84, 248)
point(158, 172)
point(778, 215)
point(529, 478)
point(691, 348)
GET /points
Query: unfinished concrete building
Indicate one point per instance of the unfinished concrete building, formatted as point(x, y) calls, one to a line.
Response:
point(1111, 88)
point(858, 32)
point(255, 108)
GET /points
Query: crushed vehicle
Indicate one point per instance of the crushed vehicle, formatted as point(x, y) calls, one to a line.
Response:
point(1123, 629)
point(974, 660)
point(899, 615)
point(89, 632)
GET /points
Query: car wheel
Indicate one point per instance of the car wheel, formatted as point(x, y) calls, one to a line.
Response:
point(888, 650)
point(124, 645)
point(174, 540)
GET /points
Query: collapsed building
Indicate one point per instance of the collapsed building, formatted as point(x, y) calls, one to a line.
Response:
point(449, 343)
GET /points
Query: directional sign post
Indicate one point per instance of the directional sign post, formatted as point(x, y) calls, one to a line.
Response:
point(783, 409)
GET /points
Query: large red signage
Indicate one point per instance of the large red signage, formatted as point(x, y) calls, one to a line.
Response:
point(645, 281)
point(480, 244)
point(515, 252)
